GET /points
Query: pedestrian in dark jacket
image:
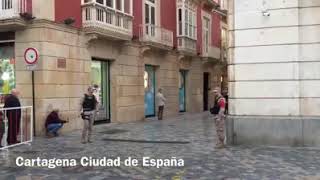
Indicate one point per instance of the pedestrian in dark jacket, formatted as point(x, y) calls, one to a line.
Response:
point(13, 115)
point(54, 123)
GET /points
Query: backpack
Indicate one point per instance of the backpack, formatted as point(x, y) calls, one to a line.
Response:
point(216, 108)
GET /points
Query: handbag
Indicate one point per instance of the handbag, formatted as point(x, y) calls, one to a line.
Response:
point(215, 110)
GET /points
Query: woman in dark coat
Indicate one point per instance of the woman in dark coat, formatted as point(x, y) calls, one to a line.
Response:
point(14, 116)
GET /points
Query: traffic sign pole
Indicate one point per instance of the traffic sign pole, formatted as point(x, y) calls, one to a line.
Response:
point(31, 57)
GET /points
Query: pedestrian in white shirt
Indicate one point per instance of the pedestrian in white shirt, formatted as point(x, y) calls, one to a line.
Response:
point(161, 102)
point(96, 93)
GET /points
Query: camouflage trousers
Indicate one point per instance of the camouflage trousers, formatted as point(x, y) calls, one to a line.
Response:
point(220, 123)
point(87, 126)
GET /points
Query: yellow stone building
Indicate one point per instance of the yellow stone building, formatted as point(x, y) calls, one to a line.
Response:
point(125, 69)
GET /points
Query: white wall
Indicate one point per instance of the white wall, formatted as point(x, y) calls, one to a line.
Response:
point(275, 60)
point(43, 9)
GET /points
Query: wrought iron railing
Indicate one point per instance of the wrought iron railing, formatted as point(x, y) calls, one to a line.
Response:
point(99, 16)
point(187, 44)
point(152, 33)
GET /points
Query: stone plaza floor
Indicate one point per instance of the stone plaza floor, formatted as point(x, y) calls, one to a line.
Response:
point(189, 137)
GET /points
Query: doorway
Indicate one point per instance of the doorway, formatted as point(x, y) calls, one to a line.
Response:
point(7, 68)
point(100, 77)
point(205, 91)
point(149, 91)
point(182, 90)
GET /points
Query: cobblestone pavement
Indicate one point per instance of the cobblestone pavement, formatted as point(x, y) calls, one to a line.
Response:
point(190, 137)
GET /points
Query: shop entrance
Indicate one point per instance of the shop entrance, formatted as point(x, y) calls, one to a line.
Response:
point(205, 91)
point(7, 68)
point(149, 91)
point(182, 90)
point(100, 79)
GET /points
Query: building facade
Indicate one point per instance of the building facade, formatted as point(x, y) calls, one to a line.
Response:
point(274, 72)
point(129, 48)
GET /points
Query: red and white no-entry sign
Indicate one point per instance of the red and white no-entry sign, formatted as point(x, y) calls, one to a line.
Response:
point(31, 56)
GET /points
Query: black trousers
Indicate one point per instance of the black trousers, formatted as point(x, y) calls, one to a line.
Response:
point(160, 112)
point(13, 125)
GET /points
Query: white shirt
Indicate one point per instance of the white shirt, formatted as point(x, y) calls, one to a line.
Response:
point(161, 99)
point(96, 93)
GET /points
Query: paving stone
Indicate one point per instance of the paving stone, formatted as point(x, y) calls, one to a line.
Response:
point(190, 137)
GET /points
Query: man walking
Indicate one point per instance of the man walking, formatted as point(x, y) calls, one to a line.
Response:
point(88, 109)
point(13, 115)
point(161, 102)
point(219, 116)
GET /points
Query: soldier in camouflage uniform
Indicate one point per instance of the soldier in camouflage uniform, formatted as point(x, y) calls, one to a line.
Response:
point(219, 116)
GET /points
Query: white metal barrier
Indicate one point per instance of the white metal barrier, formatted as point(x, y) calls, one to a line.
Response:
point(16, 126)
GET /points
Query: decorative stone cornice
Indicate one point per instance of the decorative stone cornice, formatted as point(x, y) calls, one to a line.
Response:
point(90, 38)
point(144, 50)
point(43, 23)
point(181, 57)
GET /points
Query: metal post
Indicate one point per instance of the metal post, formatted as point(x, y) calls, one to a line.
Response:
point(33, 106)
point(21, 126)
point(31, 125)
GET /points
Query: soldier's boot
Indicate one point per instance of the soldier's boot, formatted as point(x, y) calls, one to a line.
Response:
point(220, 146)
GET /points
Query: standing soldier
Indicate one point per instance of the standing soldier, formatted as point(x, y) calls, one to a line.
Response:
point(88, 109)
point(219, 116)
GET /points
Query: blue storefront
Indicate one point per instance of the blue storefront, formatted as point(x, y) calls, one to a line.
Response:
point(182, 90)
point(149, 89)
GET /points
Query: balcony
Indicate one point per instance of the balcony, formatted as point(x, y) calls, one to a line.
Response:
point(155, 36)
point(187, 46)
point(211, 53)
point(10, 11)
point(107, 22)
point(210, 3)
